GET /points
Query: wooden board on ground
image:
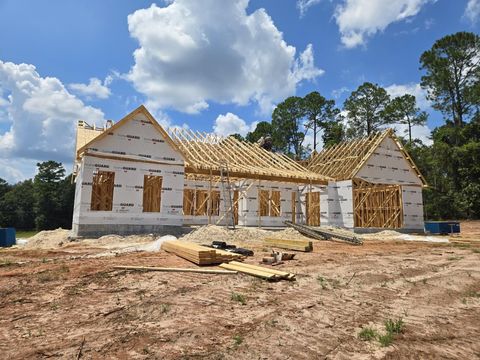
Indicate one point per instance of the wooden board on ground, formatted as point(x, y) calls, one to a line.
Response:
point(258, 271)
point(290, 244)
point(198, 254)
point(164, 269)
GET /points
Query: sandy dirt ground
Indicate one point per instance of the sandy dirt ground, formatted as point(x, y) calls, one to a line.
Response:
point(67, 302)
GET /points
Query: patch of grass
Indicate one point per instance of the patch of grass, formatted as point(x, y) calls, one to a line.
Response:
point(272, 322)
point(394, 326)
point(452, 258)
point(5, 262)
point(335, 283)
point(238, 298)
point(385, 339)
point(472, 293)
point(164, 308)
point(462, 245)
point(367, 334)
point(476, 251)
point(322, 281)
point(25, 234)
point(46, 276)
point(237, 340)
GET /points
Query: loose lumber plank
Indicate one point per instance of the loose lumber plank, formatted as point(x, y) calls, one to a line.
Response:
point(290, 244)
point(164, 269)
point(258, 271)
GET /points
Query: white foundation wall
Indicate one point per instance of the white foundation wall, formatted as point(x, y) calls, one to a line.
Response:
point(128, 193)
point(387, 165)
point(336, 204)
point(138, 138)
point(248, 205)
point(412, 200)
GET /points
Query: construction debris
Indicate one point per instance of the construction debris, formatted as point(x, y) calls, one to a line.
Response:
point(277, 258)
point(222, 245)
point(165, 269)
point(322, 234)
point(258, 271)
point(290, 244)
point(198, 254)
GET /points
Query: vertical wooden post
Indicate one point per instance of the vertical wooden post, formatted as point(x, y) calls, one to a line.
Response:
point(209, 204)
point(258, 204)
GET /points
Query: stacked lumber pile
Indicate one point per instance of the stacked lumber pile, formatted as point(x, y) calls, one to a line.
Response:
point(258, 271)
point(198, 254)
point(290, 244)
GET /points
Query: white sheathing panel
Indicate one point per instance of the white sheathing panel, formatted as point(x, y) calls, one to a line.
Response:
point(387, 165)
point(412, 207)
point(128, 193)
point(336, 204)
point(248, 204)
point(138, 137)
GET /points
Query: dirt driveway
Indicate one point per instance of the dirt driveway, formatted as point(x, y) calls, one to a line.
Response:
point(61, 304)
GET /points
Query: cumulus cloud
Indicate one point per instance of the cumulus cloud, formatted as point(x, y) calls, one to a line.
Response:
point(192, 52)
point(360, 19)
point(414, 89)
point(304, 5)
point(40, 115)
point(229, 124)
point(472, 11)
point(94, 89)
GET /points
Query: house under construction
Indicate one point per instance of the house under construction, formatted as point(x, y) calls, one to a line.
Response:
point(135, 177)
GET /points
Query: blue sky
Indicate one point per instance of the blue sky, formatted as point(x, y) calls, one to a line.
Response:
point(212, 65)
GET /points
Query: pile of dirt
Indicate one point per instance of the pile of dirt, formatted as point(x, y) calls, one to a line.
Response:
point(48, 239)
point(209, 233)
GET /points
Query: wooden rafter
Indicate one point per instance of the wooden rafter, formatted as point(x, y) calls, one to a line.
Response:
point(205, 155)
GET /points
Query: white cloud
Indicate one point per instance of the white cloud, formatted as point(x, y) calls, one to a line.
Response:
point(229, 124)
point(360, 19)
point(41, 115)
point(472, 11)
point(94, 89)
point(304, 5)
point(414, 89)
point(192, 52)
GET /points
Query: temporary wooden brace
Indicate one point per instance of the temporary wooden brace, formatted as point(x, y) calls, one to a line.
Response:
point(102, 191)
point(164, 269)
point(241, 195)
point(377, 205)
point(152, 193)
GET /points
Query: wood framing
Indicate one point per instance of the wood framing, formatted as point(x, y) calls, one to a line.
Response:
point(377, 205)
point(312, 201)
point(207, 154)
point(344, 160)
point(263, 202)
point(152, 193)
point(102, 191)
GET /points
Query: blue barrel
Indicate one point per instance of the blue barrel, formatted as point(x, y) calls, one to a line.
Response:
point(442, 227)
point(7, 237)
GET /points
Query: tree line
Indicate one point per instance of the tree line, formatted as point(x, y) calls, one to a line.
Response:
point(44, 203)
point(451, 164)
